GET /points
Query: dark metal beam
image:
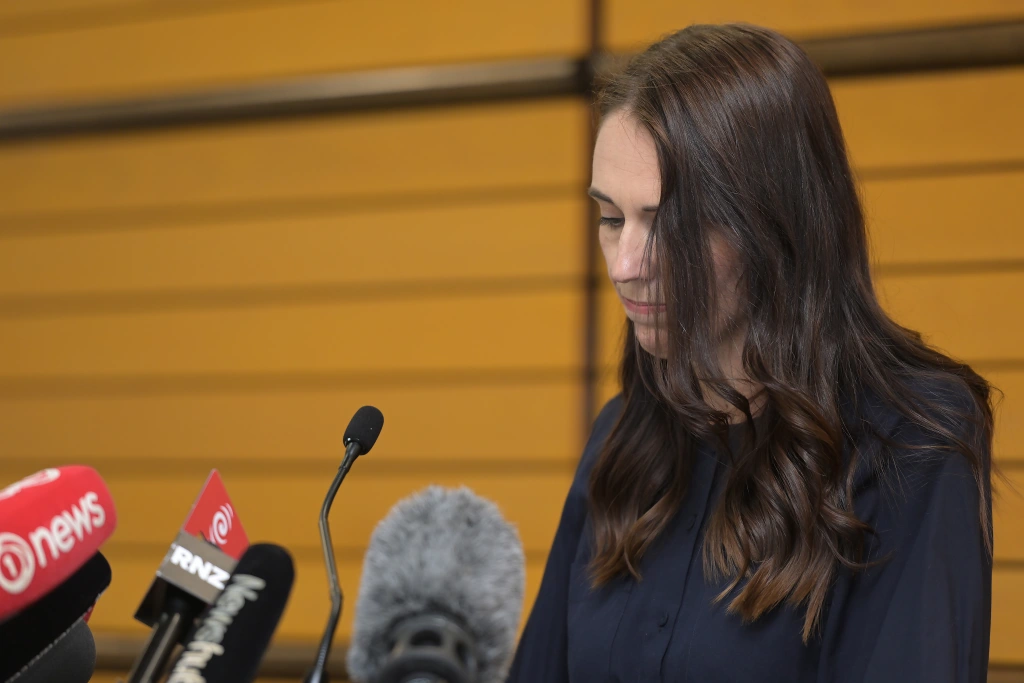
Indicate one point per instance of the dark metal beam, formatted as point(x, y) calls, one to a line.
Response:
point(955, 47)
point(971, 46)
point(346, 92)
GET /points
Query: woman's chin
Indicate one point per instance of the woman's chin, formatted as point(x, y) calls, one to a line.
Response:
point(650, 340)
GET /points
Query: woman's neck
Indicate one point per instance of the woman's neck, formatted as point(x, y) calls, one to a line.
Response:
point(730, 360)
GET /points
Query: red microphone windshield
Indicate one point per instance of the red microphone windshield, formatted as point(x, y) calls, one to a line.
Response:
point(51, 523)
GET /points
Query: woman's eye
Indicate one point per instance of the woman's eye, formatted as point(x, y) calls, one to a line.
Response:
point(611, 222)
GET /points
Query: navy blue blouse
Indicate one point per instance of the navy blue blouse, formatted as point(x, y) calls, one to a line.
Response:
point(922, 615)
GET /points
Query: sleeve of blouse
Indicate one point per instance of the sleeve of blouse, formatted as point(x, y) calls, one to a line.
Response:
point(542, 653)
point(923, 614)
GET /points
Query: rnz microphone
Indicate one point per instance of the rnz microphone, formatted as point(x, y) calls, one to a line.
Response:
point(191, 576)
point(441, 593)
point(360, 436)
point(233, 634)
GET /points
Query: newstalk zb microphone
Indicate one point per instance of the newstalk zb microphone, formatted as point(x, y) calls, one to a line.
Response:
point(233, 634)
point(441, 593)
point(51, 523)
point(363, 430)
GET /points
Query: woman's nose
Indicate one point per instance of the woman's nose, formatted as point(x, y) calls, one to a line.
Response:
point(632, 259)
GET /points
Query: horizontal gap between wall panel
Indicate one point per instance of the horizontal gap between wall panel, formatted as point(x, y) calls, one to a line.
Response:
point(183, 384)
point(82, 221)
point(102, 303)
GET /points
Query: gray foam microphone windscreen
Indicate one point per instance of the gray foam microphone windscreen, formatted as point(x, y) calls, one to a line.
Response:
point(445, 552)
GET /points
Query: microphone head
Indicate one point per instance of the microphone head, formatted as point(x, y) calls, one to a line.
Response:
point(34, 631)
point(364, 428)
point(444, 552)
point(51, 523)
point(70, 659)
point(232, 635)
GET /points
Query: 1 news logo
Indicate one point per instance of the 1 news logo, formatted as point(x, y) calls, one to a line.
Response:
point(19, 557)
point(17, 563)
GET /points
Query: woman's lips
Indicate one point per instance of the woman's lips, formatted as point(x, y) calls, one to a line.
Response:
point(642, 307)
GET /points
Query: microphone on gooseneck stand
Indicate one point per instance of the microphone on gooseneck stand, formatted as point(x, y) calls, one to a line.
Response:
point(362, 433)
point(233, 634)
point(441, 593)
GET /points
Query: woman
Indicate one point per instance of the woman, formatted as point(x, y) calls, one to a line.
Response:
point(791, 487)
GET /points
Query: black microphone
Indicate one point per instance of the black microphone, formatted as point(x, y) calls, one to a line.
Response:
point(45, 634)
point(233, 634)
point(441, 593)
point(70, 659)
point(363, 430)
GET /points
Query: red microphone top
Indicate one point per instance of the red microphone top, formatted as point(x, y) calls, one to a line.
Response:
point(50, 523)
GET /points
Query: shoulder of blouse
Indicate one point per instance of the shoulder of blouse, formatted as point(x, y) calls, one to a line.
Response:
point(891, 444)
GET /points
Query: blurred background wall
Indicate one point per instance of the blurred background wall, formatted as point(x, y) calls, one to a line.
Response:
point(226, 225)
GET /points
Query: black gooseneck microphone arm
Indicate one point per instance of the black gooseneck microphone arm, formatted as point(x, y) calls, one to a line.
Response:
point(318, 674)
point(363, 430)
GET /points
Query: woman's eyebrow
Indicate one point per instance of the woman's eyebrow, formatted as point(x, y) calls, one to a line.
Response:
point(597, 194)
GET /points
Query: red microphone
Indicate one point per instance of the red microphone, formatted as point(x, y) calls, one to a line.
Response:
point(51, 523)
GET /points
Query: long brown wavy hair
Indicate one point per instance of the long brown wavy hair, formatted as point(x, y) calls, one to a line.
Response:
point(749, 146)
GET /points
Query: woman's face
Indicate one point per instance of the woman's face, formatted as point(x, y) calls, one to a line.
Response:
point(626, 183)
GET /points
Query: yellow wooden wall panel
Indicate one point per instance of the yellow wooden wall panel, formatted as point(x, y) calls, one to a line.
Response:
point(1007, 647)
point(923, 220)
point(502, 239)
point(526, 421)
point(47, 13)
point(472, 330)
point(933, 119)
point(159, 50)
point(304, 616)
point(53, 9)
point(630, 24)
point(976, 317)
point(384, 155)
point(283, 507)
point(1009, 431)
